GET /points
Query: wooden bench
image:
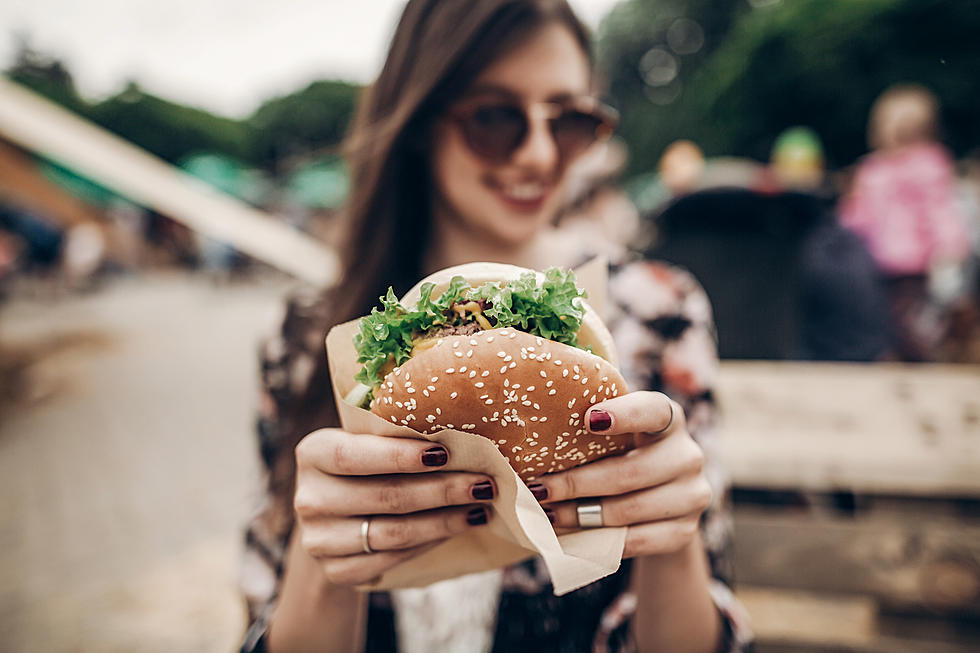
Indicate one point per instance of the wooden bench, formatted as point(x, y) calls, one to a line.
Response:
point(857, 504)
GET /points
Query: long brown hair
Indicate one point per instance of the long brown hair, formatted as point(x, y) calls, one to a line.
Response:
point(438, 48)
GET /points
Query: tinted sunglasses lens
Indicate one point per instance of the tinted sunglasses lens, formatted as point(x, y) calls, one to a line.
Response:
point(574, 131)
point(494, 132)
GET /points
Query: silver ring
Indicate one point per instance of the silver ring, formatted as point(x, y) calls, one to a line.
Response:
point(589, 514)
point(365, 525)
point(670, 404)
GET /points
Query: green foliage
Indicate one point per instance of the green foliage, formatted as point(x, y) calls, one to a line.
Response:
point(819, 63)
point(171, 131)
point(313, 118)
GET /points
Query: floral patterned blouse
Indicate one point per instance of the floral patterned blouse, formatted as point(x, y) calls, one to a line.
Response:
point(662, 324)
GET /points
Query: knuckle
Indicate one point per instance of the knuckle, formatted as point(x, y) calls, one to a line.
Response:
point(391, 498)
point(406, 458)
point(341, 457)
point(304, 505)
point(338, 571)
point(456, 489)
point(397, 535)
point(704, 494)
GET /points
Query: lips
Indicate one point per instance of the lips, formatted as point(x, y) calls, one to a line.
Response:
point(525, 197)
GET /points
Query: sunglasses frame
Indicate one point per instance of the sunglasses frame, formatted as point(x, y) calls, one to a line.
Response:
point(606, 116)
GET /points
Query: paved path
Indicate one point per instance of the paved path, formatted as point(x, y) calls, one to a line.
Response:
point(128, 468)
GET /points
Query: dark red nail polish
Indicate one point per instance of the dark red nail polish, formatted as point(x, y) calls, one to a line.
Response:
point(551, 515)
point(482, 491)
point(599, 420)
point(435, 457)
point(477, 516)
point(539, 491)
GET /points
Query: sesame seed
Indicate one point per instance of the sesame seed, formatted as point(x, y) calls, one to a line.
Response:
point(544, 419)
point(479, 384)
point(530, 388)
point(489, 338)
point(549, 383)
point(438, 411)
point(485, 373)
point(473, 342)
point(450, 370)
point(543, 375)
point(525, 403)
point(501, 354)
point(398, 371)
point(576, 378)
point(597, 365)
point(410, 416)
point(455, 344)
point(592, 399)
point(585, 380)
point(557, 362)
point(453, 395)
point(586, 393)
point(512, 365)
point(431, 388)
point(462, 369)
point(539, 341)
point(536, 407)
point(472, 373)
point(410, 390)
point(399, 404)
point(552, 392)
point(571, 403)
point(488, 402)
point(459, 354)
point(503, 369)
point(430, 418)
point(534, 419)
point(564, 373)
point(605, 379)
point(469, 354)
point(506, 383)
point(425, 392)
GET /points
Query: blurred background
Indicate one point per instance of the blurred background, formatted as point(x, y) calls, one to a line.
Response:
point(168, 171)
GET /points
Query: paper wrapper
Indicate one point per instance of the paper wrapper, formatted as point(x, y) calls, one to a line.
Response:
point(518, 527)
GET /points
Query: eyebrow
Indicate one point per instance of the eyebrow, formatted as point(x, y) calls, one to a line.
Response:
point(502, 91)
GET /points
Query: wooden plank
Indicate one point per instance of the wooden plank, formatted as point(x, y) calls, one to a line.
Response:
point(922, 564)
point(878, 428)
point(797, 616)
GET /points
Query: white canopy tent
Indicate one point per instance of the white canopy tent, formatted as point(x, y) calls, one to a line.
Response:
point(43, 127)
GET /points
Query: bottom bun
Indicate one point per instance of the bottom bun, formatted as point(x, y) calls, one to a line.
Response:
point(526, 394)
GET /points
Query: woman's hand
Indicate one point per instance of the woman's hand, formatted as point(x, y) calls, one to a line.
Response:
point(343, 479)
point(658, 489)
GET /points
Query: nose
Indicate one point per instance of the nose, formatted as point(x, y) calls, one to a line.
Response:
point(538, 152)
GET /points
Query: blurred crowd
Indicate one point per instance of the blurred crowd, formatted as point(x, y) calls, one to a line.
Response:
point(877, 261)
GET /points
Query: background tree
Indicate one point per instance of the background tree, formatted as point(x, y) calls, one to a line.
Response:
point(819, 63)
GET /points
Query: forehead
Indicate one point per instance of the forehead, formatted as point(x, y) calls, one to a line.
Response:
point(547, 65)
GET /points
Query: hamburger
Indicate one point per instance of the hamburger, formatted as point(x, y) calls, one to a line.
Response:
point(511, 354)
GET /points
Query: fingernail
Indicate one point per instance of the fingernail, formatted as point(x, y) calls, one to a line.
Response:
point(551, 514)
point(539, 491)
point(435, 457)
point(599, 420)
point(477, 516)
point(482, 491)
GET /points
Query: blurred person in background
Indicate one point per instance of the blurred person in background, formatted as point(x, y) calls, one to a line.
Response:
point(681, 167)
point(903, 205)
point(459, 152)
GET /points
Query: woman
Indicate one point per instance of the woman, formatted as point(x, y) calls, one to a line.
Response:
point(459, 152)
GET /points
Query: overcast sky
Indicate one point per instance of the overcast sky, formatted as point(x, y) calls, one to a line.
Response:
point(222, 55)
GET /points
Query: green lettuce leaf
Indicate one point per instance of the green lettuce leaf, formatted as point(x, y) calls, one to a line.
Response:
point(549, 310)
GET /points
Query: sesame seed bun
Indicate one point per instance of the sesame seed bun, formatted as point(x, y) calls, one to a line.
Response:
point(527, 394)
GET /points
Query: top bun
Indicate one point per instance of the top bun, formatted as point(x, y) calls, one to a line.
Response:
point(592, 333)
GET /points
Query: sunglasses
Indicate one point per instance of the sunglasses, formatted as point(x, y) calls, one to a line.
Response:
point(495, 129)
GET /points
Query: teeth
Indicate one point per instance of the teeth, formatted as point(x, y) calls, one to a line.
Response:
point(525, 191)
